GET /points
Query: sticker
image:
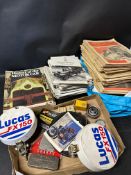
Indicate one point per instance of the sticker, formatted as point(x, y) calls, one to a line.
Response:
point(17, 124)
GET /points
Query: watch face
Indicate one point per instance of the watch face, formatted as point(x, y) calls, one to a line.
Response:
point(53, 132)
point(101, 122)
point(93, 112)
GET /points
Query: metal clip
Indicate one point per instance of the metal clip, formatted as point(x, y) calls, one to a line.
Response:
point(72, 150)
point(22, 148)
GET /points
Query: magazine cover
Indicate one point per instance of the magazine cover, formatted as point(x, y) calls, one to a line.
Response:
point(26, 88)
point(61, 133)
point(112, 51)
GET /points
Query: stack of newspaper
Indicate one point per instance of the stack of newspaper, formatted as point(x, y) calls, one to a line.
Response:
point(66, 76)
point(109, 64)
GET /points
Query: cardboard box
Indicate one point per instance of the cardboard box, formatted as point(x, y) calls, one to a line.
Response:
point(68, 166)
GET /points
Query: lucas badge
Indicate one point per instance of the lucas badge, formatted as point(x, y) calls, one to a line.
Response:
point(106, 146)
point(18, 123)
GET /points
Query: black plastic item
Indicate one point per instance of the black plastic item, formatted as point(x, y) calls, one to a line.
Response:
point(80, 117)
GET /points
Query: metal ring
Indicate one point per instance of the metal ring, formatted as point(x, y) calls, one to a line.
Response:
point(93, 112)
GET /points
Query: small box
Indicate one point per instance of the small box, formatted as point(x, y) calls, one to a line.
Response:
point(81, 105)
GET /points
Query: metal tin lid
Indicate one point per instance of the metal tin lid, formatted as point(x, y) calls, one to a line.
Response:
point(93, 112)
point(98, 149)
point(17, 124)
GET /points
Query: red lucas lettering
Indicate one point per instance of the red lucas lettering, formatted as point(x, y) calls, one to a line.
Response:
point(108, 149)
point(9, 128)
point(106, 143)
point(100, 128)
point(102, 134)
point(15, 127)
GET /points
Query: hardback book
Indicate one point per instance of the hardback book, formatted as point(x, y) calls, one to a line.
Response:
point(26, 88)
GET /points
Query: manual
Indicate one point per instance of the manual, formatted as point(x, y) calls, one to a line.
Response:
point(61, 133)
point(26, 88)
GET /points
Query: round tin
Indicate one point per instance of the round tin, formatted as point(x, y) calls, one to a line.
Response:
point(98, 149)
point(17, 124)
point(93, 112)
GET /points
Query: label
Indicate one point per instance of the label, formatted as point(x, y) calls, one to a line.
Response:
point(106, 145)
point(16, 75)
point(15, 123)
point(46, 119)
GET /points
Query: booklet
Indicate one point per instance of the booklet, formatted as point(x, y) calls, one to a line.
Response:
point(61, 133)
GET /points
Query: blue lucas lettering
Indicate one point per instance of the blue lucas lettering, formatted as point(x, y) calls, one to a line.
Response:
point(14, 121)
point(100, 146)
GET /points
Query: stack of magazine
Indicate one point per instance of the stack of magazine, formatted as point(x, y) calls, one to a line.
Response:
point(109, 64)
point(66, 77)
